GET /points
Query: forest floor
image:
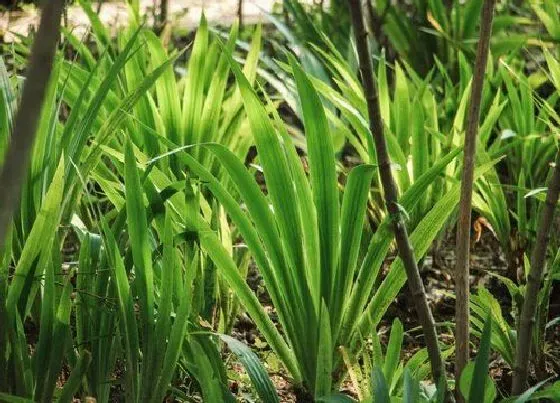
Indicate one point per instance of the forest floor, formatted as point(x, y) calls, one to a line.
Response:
point(183, 14)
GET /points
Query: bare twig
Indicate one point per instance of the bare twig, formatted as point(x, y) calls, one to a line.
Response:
point(65, 14)
point(15, 166)
point(163, 11)
point(99, 5)
point(376, 22)
point(391, 199)
point(527, 318)
point(465, 206)
point(240, 13)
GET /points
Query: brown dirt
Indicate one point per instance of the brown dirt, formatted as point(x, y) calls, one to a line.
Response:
point(184, 15)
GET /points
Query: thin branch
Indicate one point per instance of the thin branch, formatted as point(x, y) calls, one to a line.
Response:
point(99, 6)
point(14, 169)
point(465, 206)
point(390, 191)
point(240, 13)
point(163, 11)
point(376, 22)
point(527, 318)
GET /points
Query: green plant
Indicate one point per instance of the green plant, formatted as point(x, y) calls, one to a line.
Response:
point(35, 376)
point(548, 13)
point(484, 305)
point(87, 192)
point(159, 359)
point(475, 384)
point(412, 389)
point(197, 108)
point(17, 154)
point(302, 294)
point(386, 378)
point(526, 124)
point(417, 134)
point(504, 337)
point(32, 377)
point(159, 176)
point(377, 376)
point(75, 144)
point(531, 140)
point(447, 32)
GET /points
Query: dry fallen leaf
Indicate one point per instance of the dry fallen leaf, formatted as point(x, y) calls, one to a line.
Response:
point(478, 226)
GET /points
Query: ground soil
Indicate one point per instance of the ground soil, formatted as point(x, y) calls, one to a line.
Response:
point(184, 15)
